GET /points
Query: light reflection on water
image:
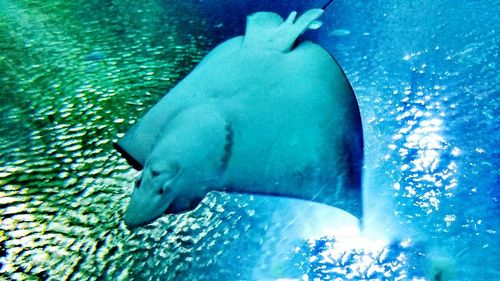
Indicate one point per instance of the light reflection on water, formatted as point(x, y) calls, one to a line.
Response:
point(428, 170)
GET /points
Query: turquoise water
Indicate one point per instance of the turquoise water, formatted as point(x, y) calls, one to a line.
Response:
point(75, 75)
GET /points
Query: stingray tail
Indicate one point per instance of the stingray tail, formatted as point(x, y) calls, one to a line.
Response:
point(269, 31)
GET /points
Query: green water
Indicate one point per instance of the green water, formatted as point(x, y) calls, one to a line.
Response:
point(63, 187)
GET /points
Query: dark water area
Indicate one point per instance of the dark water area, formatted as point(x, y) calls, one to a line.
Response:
point(75, 75)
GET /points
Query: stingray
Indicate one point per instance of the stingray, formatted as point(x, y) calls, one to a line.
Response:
point(264, 113)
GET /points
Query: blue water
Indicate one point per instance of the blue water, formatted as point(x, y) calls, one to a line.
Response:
point(426, 77)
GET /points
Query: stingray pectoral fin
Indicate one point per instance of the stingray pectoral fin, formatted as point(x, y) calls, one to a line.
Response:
point(195, 89)
point(120, 147)
point(268, 30)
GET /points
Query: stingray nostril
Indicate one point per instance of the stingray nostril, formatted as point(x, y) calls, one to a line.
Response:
point(161, 191)
point(155, 173)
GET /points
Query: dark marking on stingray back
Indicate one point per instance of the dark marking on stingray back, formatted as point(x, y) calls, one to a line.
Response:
point(228, 147)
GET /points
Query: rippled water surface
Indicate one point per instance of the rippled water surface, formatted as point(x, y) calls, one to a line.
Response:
point(74, 76)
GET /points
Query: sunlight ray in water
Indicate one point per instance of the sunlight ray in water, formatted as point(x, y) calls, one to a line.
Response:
point(425, 175)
